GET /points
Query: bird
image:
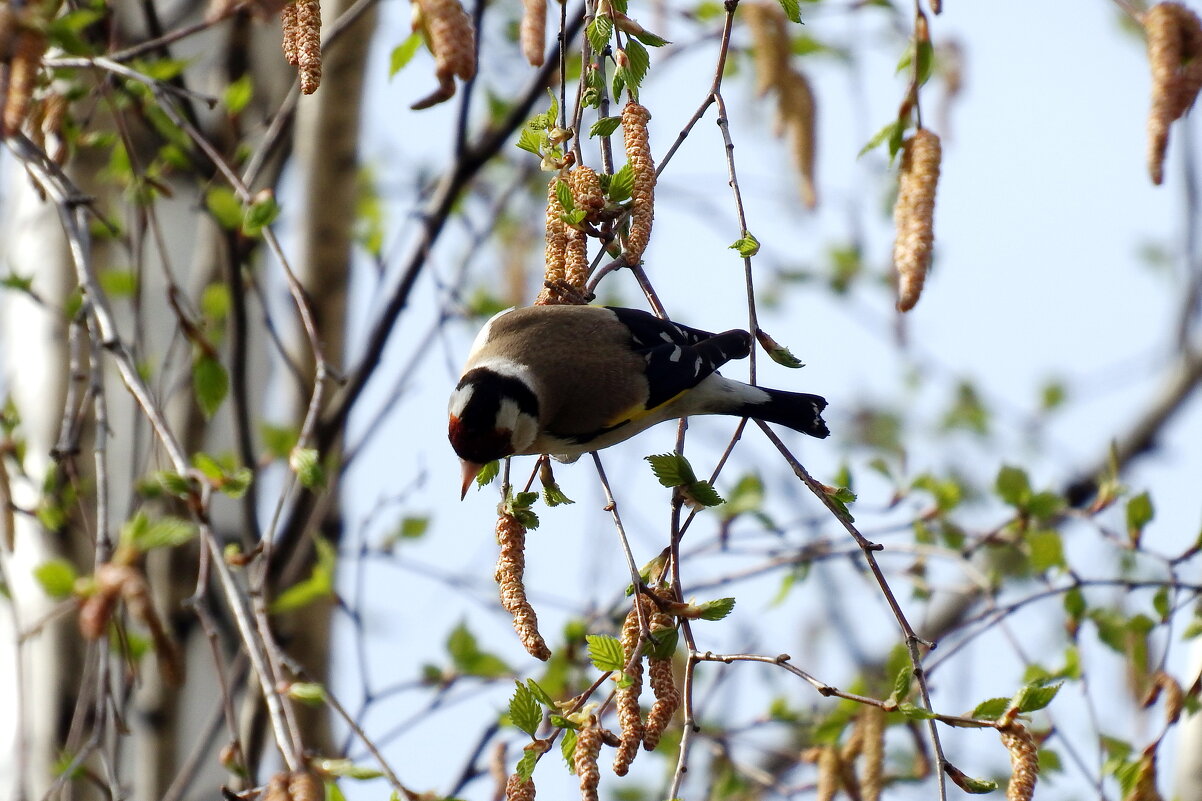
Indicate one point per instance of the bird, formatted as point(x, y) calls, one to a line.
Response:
point(567, 380)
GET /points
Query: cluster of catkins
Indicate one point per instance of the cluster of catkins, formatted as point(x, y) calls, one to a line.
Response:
point(298, 786)
point(795, 109)
point(635, 731)
point(566, 252)
point(837, 765)
point(122, 580)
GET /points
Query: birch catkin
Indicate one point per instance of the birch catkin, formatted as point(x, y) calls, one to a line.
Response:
point(797, 112)
point(642, 196)
point(511, 565)
point(770, 43)
point(288, 24)
point(308, 45)
point(27, 48)
point(533, 32)
point(663, 684)
point(627, 698)
point(1024, 760)
point(872, 749)
point(518, 790)
point(555, 250)
point(584, 760)
point(1175, 56)
point(452, 39)
point(914, 215)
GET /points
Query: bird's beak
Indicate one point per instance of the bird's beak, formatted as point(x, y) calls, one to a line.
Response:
point(470, 470)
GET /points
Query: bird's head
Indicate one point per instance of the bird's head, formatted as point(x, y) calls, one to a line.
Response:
point(493, 414)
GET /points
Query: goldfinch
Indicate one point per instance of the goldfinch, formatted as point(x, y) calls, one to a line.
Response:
point(566, 380)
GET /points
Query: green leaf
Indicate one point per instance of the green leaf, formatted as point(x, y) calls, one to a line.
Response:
point(621, 184)
point(605, 126)
point(1160, 602)
point(225, 207)
point(347, 769)
point(701, 494)
point(991, 709)
point(215, 301)
point(563, 193)
point(306, 463)
point(1012, 486)
point(888, 133)
point(672, 469)
point(403, 53)
point(56, 577)
point(173, 483)
point(238, 94)
point(792, 9)
point(487, 473)
point(1047, 550)
point(969, 784)
point(651, 40)
point(747, 245)
point(1074, 603)
point(599, 31)
point(118, 283)
point(530, 141)
point(319, 584)
point(716, 609)
point(901, 684)
point(913, 712)
point(524, 711)
point(166, 532)
point(307, 692)
point(519, 506)
point(210, 382)
point(639, 62)
point(567, 747)
point(1035, 695)
point(540, 695)
point(1139, 514)
point(605, 652)
point(261, 213)
point(746, 496)
point(662, 644)
point(784, 357)
point(554, 496)
point(469, 660)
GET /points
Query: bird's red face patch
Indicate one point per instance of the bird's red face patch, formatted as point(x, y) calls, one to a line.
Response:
point(479, 446)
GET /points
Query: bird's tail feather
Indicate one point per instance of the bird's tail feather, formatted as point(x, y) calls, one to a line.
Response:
point(795, 410)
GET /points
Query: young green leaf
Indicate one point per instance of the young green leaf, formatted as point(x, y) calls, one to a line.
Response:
point(716, 609)
point(747, 245)
point(599, 31)
point(56, 577)
point(524, 710)
point(991, 709)
point(307, 692)
point(402, 53)
point(225, 207)
point(605, 126)
point(319, 584)
point(307, 466)
point(540, 695)
point(621, 184)
point(650, 39)
point(1013, 486)
point(605, 652)
point(210, 382)
point(1139, 514)
point(792, 9)
point(1035, 696)
point(672, 469)
point(487, 473)
point(701, 494)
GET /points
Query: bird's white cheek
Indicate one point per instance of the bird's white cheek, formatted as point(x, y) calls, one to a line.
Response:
point(523, 426)
point(459, 400)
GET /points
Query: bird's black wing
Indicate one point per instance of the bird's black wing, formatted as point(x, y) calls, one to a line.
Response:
point(648, 331)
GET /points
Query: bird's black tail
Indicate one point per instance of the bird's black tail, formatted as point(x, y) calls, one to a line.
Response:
point(796, 410)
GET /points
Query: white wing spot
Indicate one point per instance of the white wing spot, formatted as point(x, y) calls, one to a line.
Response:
point(676, 354)
point(665, 336)
point(697, 366)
